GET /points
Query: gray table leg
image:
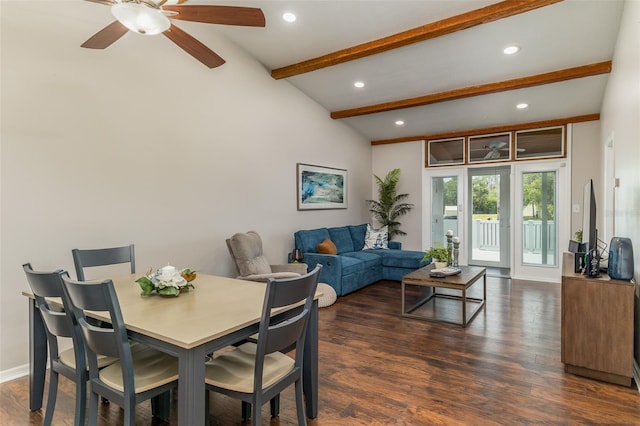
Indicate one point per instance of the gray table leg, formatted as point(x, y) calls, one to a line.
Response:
point(191, 388)
point(37, 356)
point(310, 364)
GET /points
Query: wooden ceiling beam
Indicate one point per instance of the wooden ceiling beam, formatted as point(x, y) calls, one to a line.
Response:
point(490, 130)
point(483, 89)
point(450, 25)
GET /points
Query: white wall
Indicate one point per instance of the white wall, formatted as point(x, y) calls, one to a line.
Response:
point(585, 165)
point(621, 116)
point(409, 158)
point(139, 143)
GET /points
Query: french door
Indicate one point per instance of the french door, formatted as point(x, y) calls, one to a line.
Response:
point(489, 218)
point(542, 215)
point(510, 216)
point(444, 189)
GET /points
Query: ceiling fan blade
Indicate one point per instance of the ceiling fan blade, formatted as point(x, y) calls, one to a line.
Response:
point(492, 155)
point(106, 36)
point(193, 47)
point(226, 15)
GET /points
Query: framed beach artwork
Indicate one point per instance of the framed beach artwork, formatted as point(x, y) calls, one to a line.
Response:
point(321, 187)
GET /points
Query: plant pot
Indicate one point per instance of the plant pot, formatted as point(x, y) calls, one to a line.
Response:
point(440, 265)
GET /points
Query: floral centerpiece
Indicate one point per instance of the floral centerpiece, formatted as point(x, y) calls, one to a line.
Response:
point(166, 281)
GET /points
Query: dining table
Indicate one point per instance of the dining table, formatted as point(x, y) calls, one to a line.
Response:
point(216, 313)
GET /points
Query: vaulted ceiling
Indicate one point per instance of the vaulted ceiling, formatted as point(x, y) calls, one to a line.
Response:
point(436, 65)
point(439, 65)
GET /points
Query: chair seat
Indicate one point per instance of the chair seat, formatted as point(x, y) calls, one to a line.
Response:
point(68, 358)
point(234, 370)
point(151, 368)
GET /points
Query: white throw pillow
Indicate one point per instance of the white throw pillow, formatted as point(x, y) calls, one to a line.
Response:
point(376, 238)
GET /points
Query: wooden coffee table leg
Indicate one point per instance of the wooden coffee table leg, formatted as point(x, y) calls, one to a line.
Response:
point(464, 308)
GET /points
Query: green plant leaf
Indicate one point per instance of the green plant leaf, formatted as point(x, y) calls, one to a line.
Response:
point(169, 291)
point(389, 206)
point(146, 285)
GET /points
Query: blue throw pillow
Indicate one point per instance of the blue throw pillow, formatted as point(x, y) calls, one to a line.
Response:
point(376, 238)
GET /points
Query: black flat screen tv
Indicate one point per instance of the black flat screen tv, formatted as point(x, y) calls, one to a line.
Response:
point(589, 231)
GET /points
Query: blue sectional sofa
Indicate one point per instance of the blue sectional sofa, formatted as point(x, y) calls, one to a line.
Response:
point(352, 267)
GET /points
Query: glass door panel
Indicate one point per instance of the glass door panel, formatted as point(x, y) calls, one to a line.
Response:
point(539, 236)
point(444, 208)
point(489, 198)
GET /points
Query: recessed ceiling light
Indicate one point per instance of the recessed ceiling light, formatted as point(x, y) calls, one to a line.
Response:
point(359, 84)
point(522, 105)
point(510, 50)
point(399, 123)
point(289, 17)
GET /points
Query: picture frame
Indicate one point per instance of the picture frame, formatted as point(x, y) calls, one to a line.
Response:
point(321, 188)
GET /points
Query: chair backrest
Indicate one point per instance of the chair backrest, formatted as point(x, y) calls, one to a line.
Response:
point(110, 338)
point(246, 252)
point(58, 322)
point(101, 257)
point(280, 336)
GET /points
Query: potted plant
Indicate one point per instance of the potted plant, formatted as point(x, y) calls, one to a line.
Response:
point(390, 205)
point(438, 255)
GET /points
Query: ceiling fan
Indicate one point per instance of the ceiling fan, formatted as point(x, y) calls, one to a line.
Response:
point(494, 147)
point(152, 17)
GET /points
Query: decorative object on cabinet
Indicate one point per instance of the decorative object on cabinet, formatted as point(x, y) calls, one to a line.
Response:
point(620, 265)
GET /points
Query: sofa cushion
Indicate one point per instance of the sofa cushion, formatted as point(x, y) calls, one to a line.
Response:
point(341, 237)
point(308, 239)
point(370, 258)
point(357, 235)
point(401, 258)
point(376, 238)
point(350, 265)
point(327, 247)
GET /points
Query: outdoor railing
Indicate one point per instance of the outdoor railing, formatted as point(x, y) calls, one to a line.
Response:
point(486, 235)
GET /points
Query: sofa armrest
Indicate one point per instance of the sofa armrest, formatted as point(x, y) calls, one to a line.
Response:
point(298, 268)
point(331, 268)
point(263, 278)
point(395, 245)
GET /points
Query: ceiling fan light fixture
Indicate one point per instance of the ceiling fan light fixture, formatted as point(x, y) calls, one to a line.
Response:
point(141, 18)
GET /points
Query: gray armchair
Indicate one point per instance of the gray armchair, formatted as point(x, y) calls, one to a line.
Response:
point(246, 252)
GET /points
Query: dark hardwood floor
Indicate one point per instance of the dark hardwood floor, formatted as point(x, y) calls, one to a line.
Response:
point(377, 368)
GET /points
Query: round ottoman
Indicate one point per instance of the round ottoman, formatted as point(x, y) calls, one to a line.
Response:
point(328, 297)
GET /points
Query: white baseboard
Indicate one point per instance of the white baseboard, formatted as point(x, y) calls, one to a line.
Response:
point(14, 373)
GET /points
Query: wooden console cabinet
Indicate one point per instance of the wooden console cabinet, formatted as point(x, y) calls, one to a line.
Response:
point(597, 328)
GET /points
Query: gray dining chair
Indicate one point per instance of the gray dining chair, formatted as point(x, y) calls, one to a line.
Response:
point(257, 372)
point(71, 363)
point(88, 258)
point(141, 372)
